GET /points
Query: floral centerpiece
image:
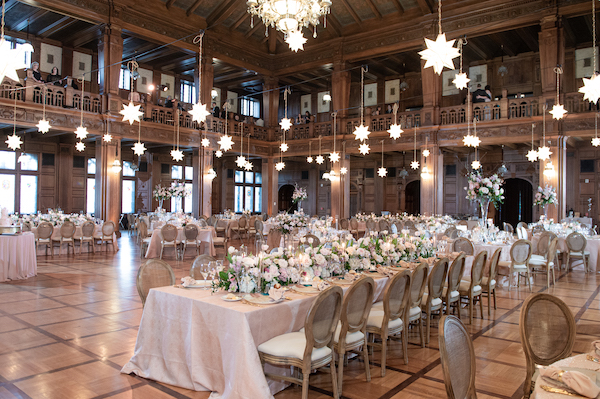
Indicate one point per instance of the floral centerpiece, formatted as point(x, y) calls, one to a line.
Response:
point(299, 194)
point(286, 222)
point(161, 193)
point(485, 190)
point(544, 197)
point(178, 190)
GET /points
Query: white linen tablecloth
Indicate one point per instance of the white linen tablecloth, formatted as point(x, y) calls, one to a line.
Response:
point(592, 246)
point(193, 339)
point(577, 361)
point(78, 234)
point(205, 234)
point(17, 257)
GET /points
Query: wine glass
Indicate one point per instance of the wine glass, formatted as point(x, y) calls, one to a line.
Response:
point(204, 270)
point(212, 266)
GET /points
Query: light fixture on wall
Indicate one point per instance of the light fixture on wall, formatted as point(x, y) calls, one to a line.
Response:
point(549, 169)
point(14, 142)
point(558, 110)
point(334, 156)
point(532, 155)
point(211, 174)
point(395, 129)
point(320, 159)
point(382, 171)
point(461, 81)
point(591, 86)
point(199, 111)
point(309, 158)
point(415, 164)
point(362, 132)
point(596, 140)
point(425, 174)
point(176, 153)
point(543, 151)
point(327, 97)
point(439, 53)
point(116, 165)
point(241, 159)
point(131, 112)
point(214, 94)
point(403, 174)
point(502, 70)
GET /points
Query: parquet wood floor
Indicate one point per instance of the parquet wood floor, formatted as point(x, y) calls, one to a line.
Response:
point(67, 332)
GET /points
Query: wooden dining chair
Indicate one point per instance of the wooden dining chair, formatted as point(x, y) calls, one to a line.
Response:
point(576, 244)
point(241, 228)
point(44, 236)
point(344, 224)
point(371, 225)
point(508, 228)
point(87, 236)
point(545, 266)
point(432, 298)
point(391, 321)
point(200, 260)
point(457, 356)
point(384, 225)
point(418, 282)
point(107, 237)
point(520, 252)
point(169, 239)
point(315, 240)
point(522, 224)
point(450, 294)
point(145, 239)
point(354, 227)
point(222, 241)
point(488, 283)
point(151, 274)
point(311, 349)
point(67, 231)
point(471, 289)
point(462, 244)
point(547, 329)
point(191, 232)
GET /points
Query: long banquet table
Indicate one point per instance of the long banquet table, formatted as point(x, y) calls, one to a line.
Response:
point(205, 234)
point(17, 256)
point(593, 247)
point(194, 339)
point(78, 234)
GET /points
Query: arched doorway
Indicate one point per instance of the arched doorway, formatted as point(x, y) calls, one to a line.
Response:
point(518, 203)
point(285, 198)
point(413, 197)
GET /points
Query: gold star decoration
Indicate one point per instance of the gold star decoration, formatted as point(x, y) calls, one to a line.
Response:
point(309, 159)
point(107, 138)
point(395, 131)
point(10, 61)
point(240, 161)
point(558, 111)
point(364, 148)
point(532, 155)
point(414, 164)
point(320, 159)
point(382, 172)
point(361, 132)
point(544, 153)
point(218, 153)
point(439, 53)
point(284, 147)
point(591, 88)
point(80, 146)
point(131, 113)
point(279, 166)
point(14, 142)
point(296, 40)
point(81, 132)
point(205, 142)
point(43, 126)
point(139, 148)
point(334, 157)
point(285, 124)
point(596, 141)
point(475, 164)
point(226, 142)
point(177, 155)
point(199, 112)
point(461, 80)
point(343, 170)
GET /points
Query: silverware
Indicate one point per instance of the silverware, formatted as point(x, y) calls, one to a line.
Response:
point(592, 359)
point(561, 391)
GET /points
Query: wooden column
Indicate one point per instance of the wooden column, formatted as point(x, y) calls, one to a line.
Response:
point(108, 183)
point(270, 186)
point(208, 74)
point(202, 161)
point(340, 90)
point(110, 54)
point(432, 96)
point(432, 189)
point(558, 147)
point(271, 102)
point(552, 53)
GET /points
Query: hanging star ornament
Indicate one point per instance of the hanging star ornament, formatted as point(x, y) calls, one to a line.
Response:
point(461, 80)
point(248, 166)
point(361, 132)
point(296, 40)
point(177, 155)
point(14, 142)
point(544, 153)
point(81, 132)
point(80, 146)
point(226, 142)
point(591, 88)
point(334, 157)
point(475, 165)
point(395, 131)
point(10, 61)
point(471, 141)
point(240, 161)
point(309, 159)
point(205, 142)
point(343, 170)
point(414, 164)
point(382, 172)
point(131, 113)
point(107, 138)
point(532, 155)
point(279, 166)
point(364, 148)
point(218, 153)
point(284, 147)
point(596, 141)
point(558, 111)
point(43, 126)
point(199, 112)
point(426, 153)
point(139, 148)
point(439, 53)
point(285, 124)
point(320, 159)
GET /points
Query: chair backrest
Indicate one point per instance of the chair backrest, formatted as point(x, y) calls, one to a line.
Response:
point(221, 224)
point(552, 250)
point(520, 252)
point(322, 319)
point(265, 217)
point(87, 230)
point(211, 220)
point(199, 261)
point(463, 223)
point(494, 265)
point(455, 273)
point(143, 229)
point(258, 226)
point(449, 231)
point(384, 225)
point(547, 329)
point(508, 228)
point(353, 224)
point(108, 228)
point(538, 228)
point(522, 233)
point(576, 242)
point(356, 307)
point(437, 278)
point(315, 240)
point(191, 232)
point(477, 268)
point(274, 238)
point(67, 230)
point(153, 273)
point(371, 225)
point(344, 224)
point(26, 226)
point(522, 224)
point(463, 244)
point(169, 232)
point(45, 230)
point(458, 358)
point(202, 222)
point(418, 282)
point(409, 224)
point(396, 295)
point(453, 234)
point(242, 222)
point(544, 242)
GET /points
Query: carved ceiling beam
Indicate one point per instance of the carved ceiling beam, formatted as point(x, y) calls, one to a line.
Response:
point(240, 20)
point(88, 35)
point(334, 24)
point(352, 12)
point(51, 29)
point(398, 6)
point(28, 19)
point(221, 13)
point(193, 7)
point(374, 9)
point(170, 3)
point(424, 6)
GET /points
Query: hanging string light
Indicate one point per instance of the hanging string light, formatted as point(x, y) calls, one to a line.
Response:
point(199, 111)
point(241, 159)
point(362, 132)
point(543, 151)
point(415, 164)
point(425, 170)
point(81, 132)
point(460, 79)
point(475, 164)
point(248, 166)
point(395, 129)
point(176, 153)
point(43, 125)
point(343, 169)
point(320, 159)
point(139, 148)
point(596, 140)
point(285, 123)
point(131, 112)
point(532, 155)
point(280, 165)
point(334, 156)
point(14, 142)
point(382, 172)
point(426, 152)
point(439, 53)
point(309, 158)
point(226, 141)
point(558, 110)
point(205, 142)
point(470, 140)
point(591, 86)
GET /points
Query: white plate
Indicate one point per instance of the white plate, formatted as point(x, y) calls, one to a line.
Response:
point(261, 299)
point(341, 281)
point(305, 289)
point(201, 284)
point(224, 297)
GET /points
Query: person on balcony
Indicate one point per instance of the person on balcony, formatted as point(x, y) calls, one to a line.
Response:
point(36, 75)
point(54, 77)
point(307, 117)
point(169, 102)
point(479, 95)
point(215, 110)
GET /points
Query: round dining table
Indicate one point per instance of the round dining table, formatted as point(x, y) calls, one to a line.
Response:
point(205, 235)
point(17, 256)
point(579, 363)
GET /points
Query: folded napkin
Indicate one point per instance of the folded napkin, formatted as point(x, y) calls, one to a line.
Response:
point(276, 294)
point(404, 264)
point(573, 380)
point(320, 285)
point(595, 348)
point(352, 276)
point(386, 271)
point(187, 281)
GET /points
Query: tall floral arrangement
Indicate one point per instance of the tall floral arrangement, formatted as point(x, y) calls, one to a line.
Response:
point(299, 194)
point(485, 188)
point(161, 193)
point(178, 190)
point(545, 196)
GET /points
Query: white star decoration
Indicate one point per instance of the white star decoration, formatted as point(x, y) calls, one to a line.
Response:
point(395, 131)
point(334, 157)
point(199, 112)
point(439, 54)
point(226, 142)
point(382, 172)
point(218, 153)
point(544, 153)
point(10, 61)
point(131, 113)
point(285, 124)
point(81, 132)
point(240, 161)
point(248, 165)
point(80, 146)
point(205, 142)
point(279, 166)
point(471, 141)
point(476, 164)
point(361, 132)
point(591, 88)
point(284, 147)
point(364, 148)
point(596, 141)
point(532, 155)
point(309, 159)
point(343, 170)
point(139, 148)
point(295, 40)
point(107, 138)
point(426, 153)
point(43, 126)
point(177, 155)
point(320, 159)
point(414, 165)
point(558, 111)
point(461, 80)
point(14, 142)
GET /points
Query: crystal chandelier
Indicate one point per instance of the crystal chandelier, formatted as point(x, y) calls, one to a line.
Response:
point(290, 16)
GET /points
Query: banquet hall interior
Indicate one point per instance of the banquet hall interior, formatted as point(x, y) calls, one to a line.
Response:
point(194, 192)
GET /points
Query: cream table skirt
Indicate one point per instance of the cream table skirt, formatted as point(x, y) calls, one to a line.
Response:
point(17, 257)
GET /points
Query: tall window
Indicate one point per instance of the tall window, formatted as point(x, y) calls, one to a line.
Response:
point(125, 79)
point(183, 174)
point(128, 195)
point(187, 92)
point(19, 181)
point(248, 191)
point(90, 205)
point(26, 54)
point(250, 107)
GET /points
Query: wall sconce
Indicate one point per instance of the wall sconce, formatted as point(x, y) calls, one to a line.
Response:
point(425, 173)
point(213, 93)
point(211, 174)
point(116, 165)
point(327, 97)
point(549, 169)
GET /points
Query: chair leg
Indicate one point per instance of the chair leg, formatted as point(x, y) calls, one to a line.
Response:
point(428, 328)
point(334, 385)
point(489, 297)
point(340, 371)
point(481, 305)
point(383, 354)
point(161, 250)
point(457, 307)
point(494, 290)
point(405, 344)
point(470, 309)
point(305, 381)
point(366, 360)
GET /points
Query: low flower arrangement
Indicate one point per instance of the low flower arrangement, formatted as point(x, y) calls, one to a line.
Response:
point(287, 222)
point(55, 217)
point(545, 196)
